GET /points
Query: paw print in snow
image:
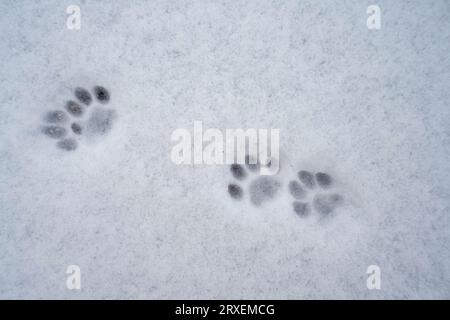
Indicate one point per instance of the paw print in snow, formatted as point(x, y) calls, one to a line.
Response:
point(312, 192)
point(80, 118)
point(260, 189)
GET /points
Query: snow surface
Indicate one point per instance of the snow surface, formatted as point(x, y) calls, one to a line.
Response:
point(369, 106)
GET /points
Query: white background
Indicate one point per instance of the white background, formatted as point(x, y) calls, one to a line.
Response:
point(369, 106)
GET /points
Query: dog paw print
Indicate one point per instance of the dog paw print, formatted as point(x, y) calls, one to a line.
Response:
point(312, 192)
point(259, 189)
point(83, 116)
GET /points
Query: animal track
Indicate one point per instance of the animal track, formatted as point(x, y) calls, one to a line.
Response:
point(323, 202)
point(311, 192)
point(99, 121)
point(261, 188)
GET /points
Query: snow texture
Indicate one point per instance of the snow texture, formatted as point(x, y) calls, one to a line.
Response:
point(368, 107)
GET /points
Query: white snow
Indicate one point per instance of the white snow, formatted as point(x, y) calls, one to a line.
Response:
point(371, 107)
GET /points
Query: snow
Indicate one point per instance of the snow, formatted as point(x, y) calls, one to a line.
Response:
point(370, 107)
